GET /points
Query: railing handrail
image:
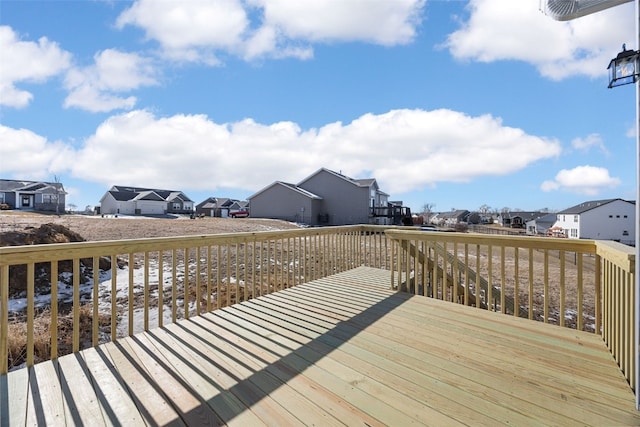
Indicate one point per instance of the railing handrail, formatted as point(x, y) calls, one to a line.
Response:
point(526, 242)
point(12, 255)
point(616, 253)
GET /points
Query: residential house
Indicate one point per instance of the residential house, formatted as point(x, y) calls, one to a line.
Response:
point(214, 207)
point(144, 201)
point(452, 218)
point(609, 219)
point(517, 219)
point(33, 195)
point(540, 226)
point(325, 197)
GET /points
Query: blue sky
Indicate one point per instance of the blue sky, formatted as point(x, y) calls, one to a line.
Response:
point(456, 104)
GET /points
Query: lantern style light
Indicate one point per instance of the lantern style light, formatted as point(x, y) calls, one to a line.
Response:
point(623, 69)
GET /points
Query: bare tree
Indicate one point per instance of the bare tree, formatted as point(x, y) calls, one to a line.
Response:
point(57, 192)
point(427, 210)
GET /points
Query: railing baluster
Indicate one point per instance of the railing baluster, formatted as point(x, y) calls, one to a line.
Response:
point(228, 263)
point(198, 266)
point(186, 298)
point(160, 288)
point(547, 296)
point(503, 277)
point(4, 319)
point(31, 311)
point(130, 289)
point(531, 288)
point(76, 305)
point(174, 285)
point(516, 280)
point(95, 322)
point(114, 296)
point(562, 255)
point(598, 294)
point(490, 278)
point(218, 275)
point(146, 291)
point(53, 327)
point(580, 291)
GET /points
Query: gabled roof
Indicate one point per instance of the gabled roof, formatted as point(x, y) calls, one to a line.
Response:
point(458, 213)
point(366, 182)
point(166, 195)
point(525, 215)
point(587, 206)
point(30, 186)
point(289, 186)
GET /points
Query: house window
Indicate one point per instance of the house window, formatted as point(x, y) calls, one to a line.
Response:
point(576, 218)
point(1, 197)
point(624, 216)
point(610, 216)
point(48, 198)
point(617, 216)
point(574, 232)
point(625, 233)
point(176, 206)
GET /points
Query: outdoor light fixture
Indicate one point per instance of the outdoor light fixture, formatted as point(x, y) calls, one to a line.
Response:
point(623, 69)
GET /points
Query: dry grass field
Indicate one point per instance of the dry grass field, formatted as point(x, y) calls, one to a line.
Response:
point(93, 228)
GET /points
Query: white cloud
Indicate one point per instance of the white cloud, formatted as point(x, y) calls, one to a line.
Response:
point(32, 155)
point(191, 151)
point(587, 180)
point(593, 140)
point(27, 61)
point(516, 30)
point(97, 88)
point(380, 22)
point(203, 30)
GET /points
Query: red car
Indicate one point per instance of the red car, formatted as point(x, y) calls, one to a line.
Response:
point(240, 213)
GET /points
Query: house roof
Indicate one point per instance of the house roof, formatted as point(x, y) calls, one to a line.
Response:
point(525, 215)
point(166, 195)
point(458, 213)
point(31, 186)
point(292, 187)
point(587, 206)
point(366, 182)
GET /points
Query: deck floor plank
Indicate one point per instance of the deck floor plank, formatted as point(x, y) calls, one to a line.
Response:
point(341, 350)
point(413, 379)
point(153, 407)
point(115, 401)
point(82, 406)
point(46, 403)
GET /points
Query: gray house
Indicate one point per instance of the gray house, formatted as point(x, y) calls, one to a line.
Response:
point(214, 207)
point(323, 198)
point(518, 219)
point(144, 201)
point(32, 195)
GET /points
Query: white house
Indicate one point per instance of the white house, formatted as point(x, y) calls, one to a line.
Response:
point(610, 219)
point(144, 201)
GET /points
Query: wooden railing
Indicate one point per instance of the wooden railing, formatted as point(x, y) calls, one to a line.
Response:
point(119, 288)
point(127, 286)
point(583, 284)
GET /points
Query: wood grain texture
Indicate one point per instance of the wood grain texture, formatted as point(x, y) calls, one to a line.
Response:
point(341, 350)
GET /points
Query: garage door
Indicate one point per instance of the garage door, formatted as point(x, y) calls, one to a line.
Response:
point(149, 208)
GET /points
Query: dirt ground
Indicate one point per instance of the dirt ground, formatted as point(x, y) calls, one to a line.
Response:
point(93, 228)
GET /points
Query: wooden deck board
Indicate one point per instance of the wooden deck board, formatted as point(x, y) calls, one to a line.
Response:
point(342, 350)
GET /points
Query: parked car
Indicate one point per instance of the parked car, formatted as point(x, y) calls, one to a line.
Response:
point(240, 213)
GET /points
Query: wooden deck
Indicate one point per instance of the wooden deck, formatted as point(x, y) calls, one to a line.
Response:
point(343, 350)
